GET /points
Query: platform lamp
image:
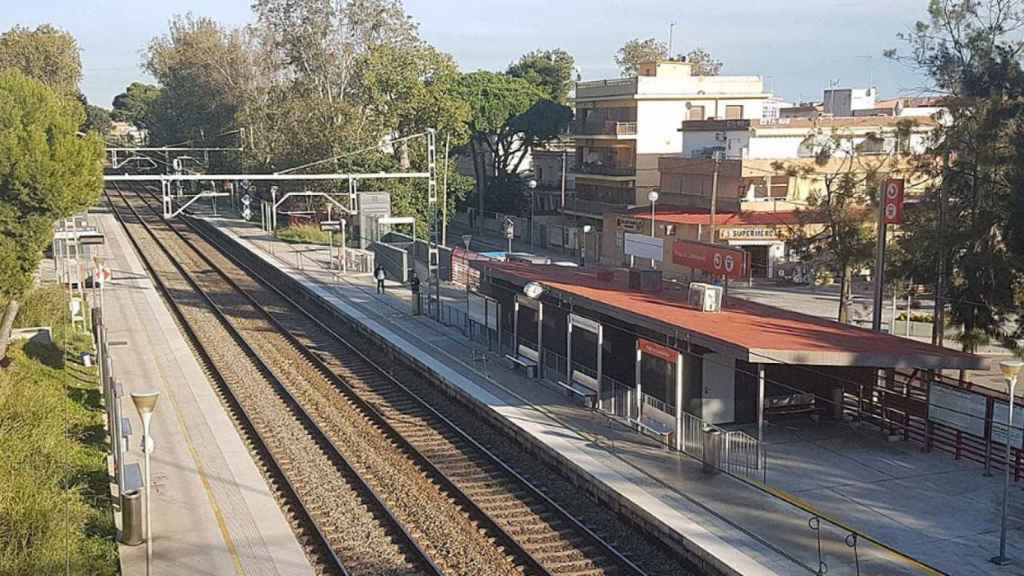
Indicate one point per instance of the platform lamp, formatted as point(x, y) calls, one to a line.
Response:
point(1010, 370)
point(531, 185)
point(653, 197)
point(145, 404)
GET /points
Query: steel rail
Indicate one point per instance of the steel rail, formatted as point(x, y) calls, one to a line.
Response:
point(307, 418)
point(625, 563)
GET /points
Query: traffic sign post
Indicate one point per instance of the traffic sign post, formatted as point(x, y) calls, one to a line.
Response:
point(890, 211)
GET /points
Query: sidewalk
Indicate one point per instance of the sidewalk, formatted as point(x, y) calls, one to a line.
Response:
point(212, 512)
point(891, 492)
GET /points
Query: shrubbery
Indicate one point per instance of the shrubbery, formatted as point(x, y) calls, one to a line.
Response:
point(40, 523)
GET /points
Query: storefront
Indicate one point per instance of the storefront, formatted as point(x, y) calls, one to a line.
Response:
point(765, 245)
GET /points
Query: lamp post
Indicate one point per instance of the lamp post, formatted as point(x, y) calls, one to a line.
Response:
point(467, 239)
point(531, 185)
point(653, 197)
point(583, 249)
point(145, 403)
point(510, 232)
point(1010, 369)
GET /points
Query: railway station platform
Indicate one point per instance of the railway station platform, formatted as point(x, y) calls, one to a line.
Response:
point(837, 498)
point(212, 512)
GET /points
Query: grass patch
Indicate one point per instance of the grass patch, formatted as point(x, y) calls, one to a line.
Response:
point(303, 234)
point(41, 395)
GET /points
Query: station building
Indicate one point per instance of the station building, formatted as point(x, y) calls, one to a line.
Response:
point(644, 352)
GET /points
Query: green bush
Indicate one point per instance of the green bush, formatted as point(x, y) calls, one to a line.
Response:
point(52, 438)
point(303, 234)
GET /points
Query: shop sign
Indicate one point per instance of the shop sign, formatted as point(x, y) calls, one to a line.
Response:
point(629, 224)
point(657, 350)
point(750, 233)
point(711, 258)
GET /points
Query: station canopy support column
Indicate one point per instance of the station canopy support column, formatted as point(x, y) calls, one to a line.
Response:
point(574, 376)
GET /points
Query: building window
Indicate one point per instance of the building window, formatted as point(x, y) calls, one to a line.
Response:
point(734, 112)
point(696, 113)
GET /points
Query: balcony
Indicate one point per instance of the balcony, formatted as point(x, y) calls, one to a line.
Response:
point(604, 128)
point(601, 169)
point(592, 208)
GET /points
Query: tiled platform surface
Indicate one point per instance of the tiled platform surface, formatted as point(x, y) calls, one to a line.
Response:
point(891, 492)
point(213, 513)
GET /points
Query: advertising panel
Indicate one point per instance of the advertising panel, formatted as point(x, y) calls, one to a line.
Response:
point(711, 258)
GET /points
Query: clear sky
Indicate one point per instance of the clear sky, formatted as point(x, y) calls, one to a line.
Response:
point(797, 45)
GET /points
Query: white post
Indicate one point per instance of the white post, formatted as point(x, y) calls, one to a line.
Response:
point(540, 339)
point(600, 366)
point(568, 351)
point(760, 413)
point(639, 389)
point(680, 441)
point(147, 446)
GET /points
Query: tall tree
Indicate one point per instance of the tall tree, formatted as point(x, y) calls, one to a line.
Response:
point(135, 104)
point(46, 53)
point(198, 64)
point(509, 116)
point(838, 226)
point(97, 119)
point(971, 52)
point(47, 172)
point(637, 52)
point(550, 70)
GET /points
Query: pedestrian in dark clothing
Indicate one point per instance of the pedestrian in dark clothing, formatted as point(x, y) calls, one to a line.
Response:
point(414, 285)
point(380, 275)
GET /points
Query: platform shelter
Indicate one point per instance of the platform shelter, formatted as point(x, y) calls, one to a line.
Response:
point(673, 370)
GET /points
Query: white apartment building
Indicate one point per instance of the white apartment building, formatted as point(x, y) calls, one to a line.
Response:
point(623, 126)
point(794, 138)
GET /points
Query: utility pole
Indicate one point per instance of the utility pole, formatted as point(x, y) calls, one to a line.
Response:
point(876, 309)
point(939, 311)
point(714, 193)
point(444, 193)
point(564, 154)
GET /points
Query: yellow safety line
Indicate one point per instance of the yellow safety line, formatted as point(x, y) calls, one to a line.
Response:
point(221, 524)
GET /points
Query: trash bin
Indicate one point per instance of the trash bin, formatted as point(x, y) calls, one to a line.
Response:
point(712, 450)
point(131, 518)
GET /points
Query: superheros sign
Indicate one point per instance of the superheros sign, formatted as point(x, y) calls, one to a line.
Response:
point(711, 258)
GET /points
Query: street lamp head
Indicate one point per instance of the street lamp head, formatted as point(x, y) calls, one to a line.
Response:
point(145, 404)
point(1010, 368)
point(466, 239)
point(586, 228)
point(652, 196)
point(531, 183)
point(533, 290)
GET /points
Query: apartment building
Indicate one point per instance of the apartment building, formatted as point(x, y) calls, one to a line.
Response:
point(624, 126)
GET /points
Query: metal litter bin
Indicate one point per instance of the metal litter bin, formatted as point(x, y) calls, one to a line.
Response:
point(131, 518)
point(712, 450)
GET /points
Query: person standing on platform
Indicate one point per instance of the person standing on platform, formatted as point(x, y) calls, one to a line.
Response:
point(414, 285)
point(380, 275)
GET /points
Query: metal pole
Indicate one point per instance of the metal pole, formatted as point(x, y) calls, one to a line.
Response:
point(147, 448)
point(1002, 560)
point(564, 154)
point(939, 312)
point(532, 202)
point(876, 316)
point(909, 297)
point(760, 412)
point(714, 196)
point(444, 193)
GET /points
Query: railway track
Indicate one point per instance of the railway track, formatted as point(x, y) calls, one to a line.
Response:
point(352, 397)
point(342, 523)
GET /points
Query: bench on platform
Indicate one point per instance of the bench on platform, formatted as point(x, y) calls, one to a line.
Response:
point(525, 359)
point(801, 403)
point(581, 387)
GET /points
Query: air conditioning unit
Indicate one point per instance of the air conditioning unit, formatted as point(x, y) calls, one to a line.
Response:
point(705, 297)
